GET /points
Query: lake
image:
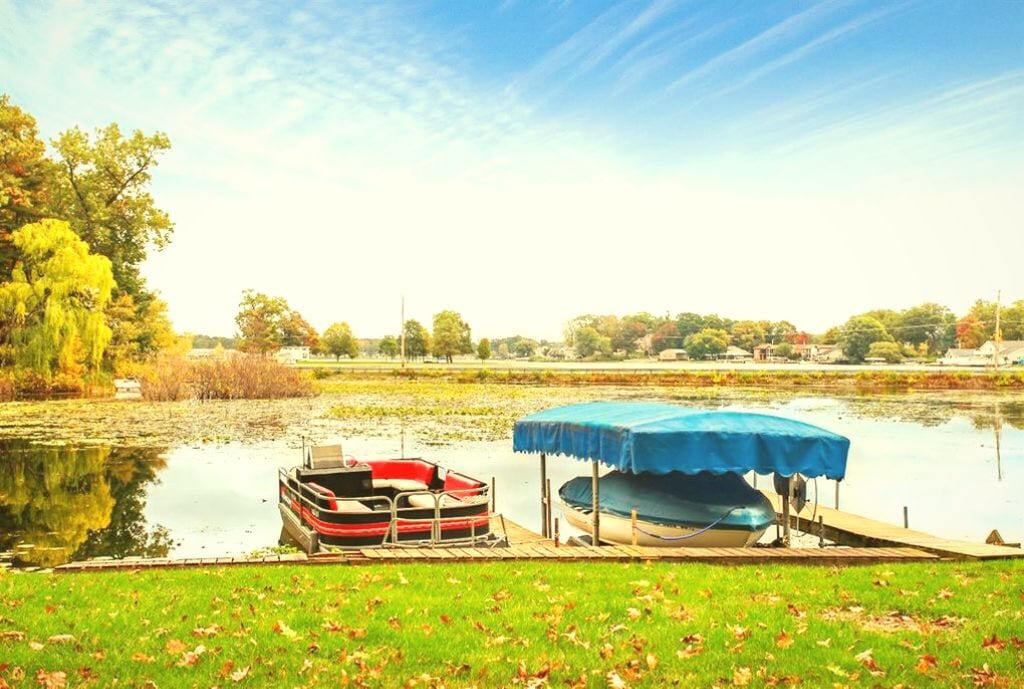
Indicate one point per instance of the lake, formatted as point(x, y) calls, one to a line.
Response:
point(957, 466)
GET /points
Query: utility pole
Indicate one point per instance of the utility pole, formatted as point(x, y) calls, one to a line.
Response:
point(999, 336)
point(402, 331)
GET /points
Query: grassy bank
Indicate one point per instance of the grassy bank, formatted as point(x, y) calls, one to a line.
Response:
point(526, 624)
point(819, 379)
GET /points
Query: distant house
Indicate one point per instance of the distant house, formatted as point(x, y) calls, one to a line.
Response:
point(764, 352)
point(291, 355)
point(1010, 352)
point(672, 355)
point(733, 353)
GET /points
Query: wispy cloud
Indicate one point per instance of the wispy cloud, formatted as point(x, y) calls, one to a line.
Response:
point(770, 38)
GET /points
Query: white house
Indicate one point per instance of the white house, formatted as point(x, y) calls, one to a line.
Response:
point(1010, 352)
point(291, 355)
point(672, 355)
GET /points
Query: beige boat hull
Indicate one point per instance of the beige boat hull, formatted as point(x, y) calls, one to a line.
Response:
point(616, 529)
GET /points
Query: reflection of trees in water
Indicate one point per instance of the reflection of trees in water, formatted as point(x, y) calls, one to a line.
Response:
point(62, 500)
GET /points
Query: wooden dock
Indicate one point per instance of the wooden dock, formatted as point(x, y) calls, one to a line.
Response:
point(853, 529)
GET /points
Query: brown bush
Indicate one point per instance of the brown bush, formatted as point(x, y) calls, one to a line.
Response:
point(238, 377)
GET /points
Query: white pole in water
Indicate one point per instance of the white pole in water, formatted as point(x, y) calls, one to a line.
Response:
point(998, 335)
point(402, 331)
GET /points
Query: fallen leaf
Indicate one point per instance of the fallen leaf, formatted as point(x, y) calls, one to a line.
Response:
point(926, 663)
point(51, 680)
point(36, 646)
point(190, 658)
point(783, 640)
point(61, 639)
point(240, 674)
point(175, 647)
point(993, 644)
point(12, 635)
point(615, 680)
point(652, 661)
point(283, 629)
point(741, 677)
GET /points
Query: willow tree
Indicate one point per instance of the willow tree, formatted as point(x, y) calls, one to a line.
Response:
point(52, 309)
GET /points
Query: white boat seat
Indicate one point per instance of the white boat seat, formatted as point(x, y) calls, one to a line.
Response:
point(401, 485)
point(352, 506)
point(426, 500)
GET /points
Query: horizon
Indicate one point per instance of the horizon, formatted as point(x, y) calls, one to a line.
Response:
point(526, 163)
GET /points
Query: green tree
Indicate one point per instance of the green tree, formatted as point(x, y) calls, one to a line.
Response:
point(890, 351)
point(388, 347)
point(784, 350)
point(451, 335)
point(525, 347)
point(137, 333)
point(859, 333)
point(687, 323)
point(23, 172)
point(417, 339)
point(748, 334)
point(100, 186)
point(707, 343)
point(338, 341)
point(929, 324)
point(590, 342)
point(52, 309)
point(483, 349)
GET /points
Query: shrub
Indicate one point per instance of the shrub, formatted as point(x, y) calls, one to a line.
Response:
point(239, 377)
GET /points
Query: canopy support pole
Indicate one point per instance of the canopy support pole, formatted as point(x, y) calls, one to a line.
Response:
point(595, 500)
point(785, 511)
point(543, 495)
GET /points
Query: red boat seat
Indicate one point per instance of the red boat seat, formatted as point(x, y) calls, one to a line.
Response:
point(411, 469)
point(461, 486)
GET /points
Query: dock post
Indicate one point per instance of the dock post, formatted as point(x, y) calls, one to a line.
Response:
point(785, 512)
point(547, 502)
point(837, 495)
point(543, 507)
point(632, 524)
point(906, 519)
point(821, 531)
point(556, 532)
point(595, 501)
point(494, 495)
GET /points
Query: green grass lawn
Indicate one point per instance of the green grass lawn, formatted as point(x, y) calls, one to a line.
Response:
point(517, 624)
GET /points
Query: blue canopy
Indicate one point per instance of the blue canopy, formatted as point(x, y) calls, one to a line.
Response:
point(659, 438)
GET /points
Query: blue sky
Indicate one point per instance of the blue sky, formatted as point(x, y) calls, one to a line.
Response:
point(524, 162)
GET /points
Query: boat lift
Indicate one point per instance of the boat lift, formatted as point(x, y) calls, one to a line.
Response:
point(635, 437)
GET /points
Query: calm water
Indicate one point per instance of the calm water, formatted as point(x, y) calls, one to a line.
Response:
point(959, 470)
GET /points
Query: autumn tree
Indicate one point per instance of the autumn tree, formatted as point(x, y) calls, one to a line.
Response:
point(970, 332)
point(417, 339)
point(338, 341)
point(297, 332)
point(666, 337)
point(388, 347)
point(483, 349)
point(748, 334)
point(451, 335)
point(707, 343)
point(23, 173)
point(52, 308)
point(267, 323)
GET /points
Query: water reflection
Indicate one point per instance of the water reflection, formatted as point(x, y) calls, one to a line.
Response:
point(63, 503)
point(957, 462)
